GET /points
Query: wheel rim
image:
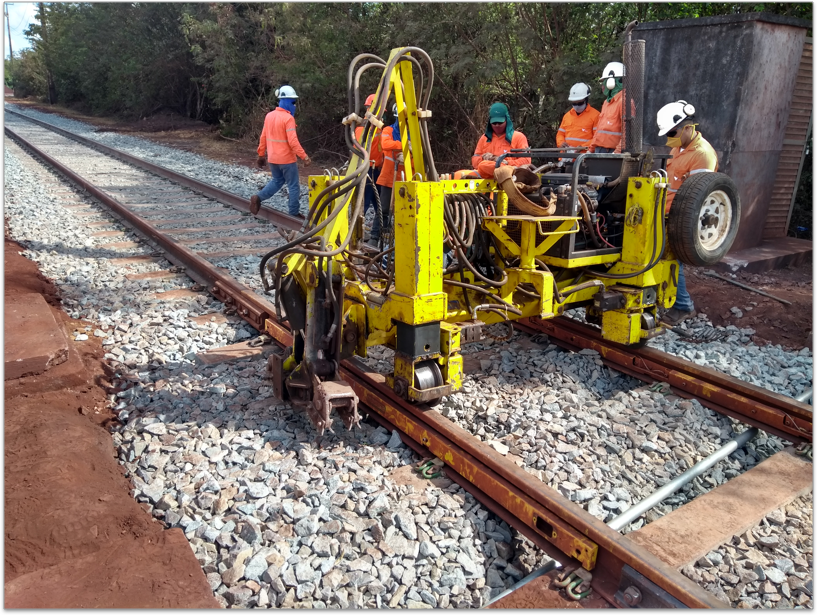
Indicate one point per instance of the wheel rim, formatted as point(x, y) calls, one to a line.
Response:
point(714, 220)
point(427, 375)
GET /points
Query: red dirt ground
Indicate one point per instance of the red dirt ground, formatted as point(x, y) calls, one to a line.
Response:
point(74, 537)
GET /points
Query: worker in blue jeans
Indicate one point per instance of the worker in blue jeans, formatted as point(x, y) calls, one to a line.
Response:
point(278, 147)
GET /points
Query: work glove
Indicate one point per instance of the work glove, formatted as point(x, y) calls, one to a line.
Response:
point(488, 156)
point(261, 162)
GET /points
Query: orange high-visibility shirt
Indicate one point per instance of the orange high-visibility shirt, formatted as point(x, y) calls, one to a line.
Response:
point(609, 125)
point(578, 130)
point(391, 150)
point(497, 146)
point(376, 158)
point(279, 142)
point(698, 157)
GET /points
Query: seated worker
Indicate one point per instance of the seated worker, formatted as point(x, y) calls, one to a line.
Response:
point(691, 154)
point(579, 124)
point(499, 138)
point(375, 162)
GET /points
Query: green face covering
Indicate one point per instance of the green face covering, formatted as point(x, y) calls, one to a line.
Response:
point(610, 93)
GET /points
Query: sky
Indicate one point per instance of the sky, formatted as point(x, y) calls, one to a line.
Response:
point(20, 15)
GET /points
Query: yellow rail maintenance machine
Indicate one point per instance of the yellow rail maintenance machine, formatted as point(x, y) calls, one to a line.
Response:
point(466, 257)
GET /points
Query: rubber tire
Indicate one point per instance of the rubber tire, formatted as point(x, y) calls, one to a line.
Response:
point(682, 223)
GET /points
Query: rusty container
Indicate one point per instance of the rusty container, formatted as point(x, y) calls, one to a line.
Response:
point(740, 72)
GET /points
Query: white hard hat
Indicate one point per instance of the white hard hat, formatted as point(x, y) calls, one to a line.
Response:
point(669, 116)
point(613, 69)
point(578, 92)
point(285, 91)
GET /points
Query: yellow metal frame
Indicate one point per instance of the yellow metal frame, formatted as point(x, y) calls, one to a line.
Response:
point(422, 295)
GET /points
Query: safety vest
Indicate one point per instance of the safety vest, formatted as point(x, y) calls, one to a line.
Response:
point(279, 142)
point(391, 150)
point(698, 157)
point(609, 125)
point(577, 130)
point(497, 146)
point(376, 158)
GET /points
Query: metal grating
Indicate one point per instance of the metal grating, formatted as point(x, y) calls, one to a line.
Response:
point(790, 164)
point(634, 92)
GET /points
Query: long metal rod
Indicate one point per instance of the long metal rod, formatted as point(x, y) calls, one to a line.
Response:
point(533, 575)
point(675, 484)
point(712, 274)
point(806, 395)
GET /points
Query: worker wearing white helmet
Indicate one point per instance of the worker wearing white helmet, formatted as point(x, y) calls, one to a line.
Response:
point(609, 127)
point(278, 147)
point(580, 123)
point(691, 154)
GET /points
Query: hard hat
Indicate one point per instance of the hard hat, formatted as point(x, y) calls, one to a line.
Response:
point(613, 69)
point(285, 91)
point(394, 108)
point(578, 92)
point(369, 100)
point(672, 114)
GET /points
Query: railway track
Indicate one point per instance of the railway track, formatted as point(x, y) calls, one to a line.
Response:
point(180, 222)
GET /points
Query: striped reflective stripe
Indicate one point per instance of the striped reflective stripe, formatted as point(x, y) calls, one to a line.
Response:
point(671, 190)
point(290, 129)
point(279, 140)
point(700, 171)
point(562, 130)
point(576, 139)
point(607, 132)
point(388, 158)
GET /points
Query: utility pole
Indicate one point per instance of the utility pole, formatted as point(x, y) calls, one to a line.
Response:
point(52, 89)
point(11, 53)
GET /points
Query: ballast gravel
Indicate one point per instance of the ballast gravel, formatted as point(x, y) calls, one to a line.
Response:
point(277, 521)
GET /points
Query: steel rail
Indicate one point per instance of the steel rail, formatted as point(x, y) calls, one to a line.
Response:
point(222, 196)
point(553, 522)
point(777, 414)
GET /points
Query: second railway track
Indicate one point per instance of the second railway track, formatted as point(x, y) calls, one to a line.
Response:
point(520, 497)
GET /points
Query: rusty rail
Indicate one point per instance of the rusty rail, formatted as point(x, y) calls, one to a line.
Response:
point(222, 196)
point(551, 521)
point(777, 414)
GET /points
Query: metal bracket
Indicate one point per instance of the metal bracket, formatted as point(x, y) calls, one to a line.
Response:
point(637, 591)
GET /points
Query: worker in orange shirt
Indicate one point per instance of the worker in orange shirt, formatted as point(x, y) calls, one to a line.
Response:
point(392, 147)
point(499, 138)
point(278, 146)
point(691, 154)
point(607, 139)
point(579, 124)
point(375, 162)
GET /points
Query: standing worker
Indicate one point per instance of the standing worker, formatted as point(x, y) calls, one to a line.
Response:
point(691, 154)
point(607, 139)
point(499, 138)
point(580, 123)
point(278, 146)
point(392, 148)
point(375, 163)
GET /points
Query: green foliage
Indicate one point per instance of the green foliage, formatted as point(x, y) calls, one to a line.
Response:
point(29, 75)
point(222, 62)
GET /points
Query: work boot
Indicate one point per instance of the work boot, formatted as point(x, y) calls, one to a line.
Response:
point(674, 316)
point(255, 204)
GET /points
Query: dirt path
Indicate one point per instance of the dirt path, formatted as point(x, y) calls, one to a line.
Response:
point(74, 537)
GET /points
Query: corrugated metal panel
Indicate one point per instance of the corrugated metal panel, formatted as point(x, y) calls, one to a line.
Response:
point(794, 143)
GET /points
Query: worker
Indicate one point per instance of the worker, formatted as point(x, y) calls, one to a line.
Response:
point(278, 146)
point(499, 138)
point(579, 124)
point(392, 148)
point(375, 162)
point(607, 138)
point(691, 154)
